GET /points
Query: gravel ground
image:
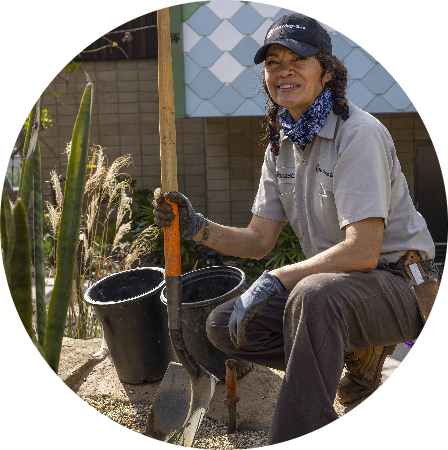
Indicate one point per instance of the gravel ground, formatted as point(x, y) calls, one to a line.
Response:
point(210, 435)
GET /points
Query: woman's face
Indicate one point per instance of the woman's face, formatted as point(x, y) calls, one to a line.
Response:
point(294, 82)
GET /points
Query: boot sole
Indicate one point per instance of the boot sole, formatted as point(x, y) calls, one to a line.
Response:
point(388, 350)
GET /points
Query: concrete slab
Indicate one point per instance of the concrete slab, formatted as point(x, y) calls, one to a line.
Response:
point(393, 361)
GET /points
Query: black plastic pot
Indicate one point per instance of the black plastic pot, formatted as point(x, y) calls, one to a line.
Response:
point(202, 291)
point(135, 322)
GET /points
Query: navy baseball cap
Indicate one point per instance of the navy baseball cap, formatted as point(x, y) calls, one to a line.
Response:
point(300, 34)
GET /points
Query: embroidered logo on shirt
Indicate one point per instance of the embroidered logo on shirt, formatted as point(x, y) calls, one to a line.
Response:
point(285, 175)
point(320, 170)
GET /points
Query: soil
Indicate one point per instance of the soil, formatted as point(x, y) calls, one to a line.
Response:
point(95, 378)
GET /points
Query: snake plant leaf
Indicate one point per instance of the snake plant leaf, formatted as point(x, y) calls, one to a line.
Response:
point(68, 235)
point(6, 224)
point(38, 231)
point(19, 263)
point(26, 173)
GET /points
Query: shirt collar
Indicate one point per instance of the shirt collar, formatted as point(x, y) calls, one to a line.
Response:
point(329, 127)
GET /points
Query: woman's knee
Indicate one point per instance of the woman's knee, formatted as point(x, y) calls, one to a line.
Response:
point(217, 327)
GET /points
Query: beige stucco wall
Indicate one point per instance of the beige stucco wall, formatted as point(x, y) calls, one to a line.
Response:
point(219, 159)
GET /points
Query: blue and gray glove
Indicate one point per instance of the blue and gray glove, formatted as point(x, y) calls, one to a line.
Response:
point(247, 307)
point(190, 222)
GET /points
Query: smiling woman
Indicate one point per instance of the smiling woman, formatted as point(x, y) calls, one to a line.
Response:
point(293, 81)
point(332, 77)
point(332, 172)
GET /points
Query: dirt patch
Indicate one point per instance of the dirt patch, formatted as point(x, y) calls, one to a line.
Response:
point(95, 378)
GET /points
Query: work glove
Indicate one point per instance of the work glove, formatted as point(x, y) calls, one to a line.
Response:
point(248, 305)
point(190, 222)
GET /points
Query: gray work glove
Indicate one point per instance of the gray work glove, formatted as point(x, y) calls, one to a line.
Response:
point(190, 222)
point(247, 307)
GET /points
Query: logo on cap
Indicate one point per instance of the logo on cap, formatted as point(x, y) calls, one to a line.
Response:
point(284, 26)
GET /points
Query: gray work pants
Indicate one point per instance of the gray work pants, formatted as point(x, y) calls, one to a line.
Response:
point(306, 332)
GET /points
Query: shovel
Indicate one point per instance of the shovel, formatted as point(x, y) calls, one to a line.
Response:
point(187, 388)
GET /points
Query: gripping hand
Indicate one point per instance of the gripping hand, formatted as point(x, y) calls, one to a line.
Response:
point(190, 222)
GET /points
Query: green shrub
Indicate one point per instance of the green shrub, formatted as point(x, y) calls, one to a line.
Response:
point(49, 250)
point(288, 249)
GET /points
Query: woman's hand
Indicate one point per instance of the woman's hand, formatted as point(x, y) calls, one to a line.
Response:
point(190, 222)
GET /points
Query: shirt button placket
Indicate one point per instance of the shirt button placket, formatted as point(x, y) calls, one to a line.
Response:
point(302, 159)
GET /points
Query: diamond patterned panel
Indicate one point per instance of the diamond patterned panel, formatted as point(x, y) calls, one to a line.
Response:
point(249, 108)
point(265, 10)
point(260, 99)
point(226, 36)
point(397, 97)
point(247, 84)
point(260, 34)
point(227, 99)
point(205, 85)
point(204, 21)
point(359, 94)
point(246, 19)
point(368, 55)
point(191, 69)
point(349, 41)
point(245, 51)
point(192, 101)
point(220, 39)
point(410, 108)
point(226, 68)
point(340, 47)
point(378, 80)
point(328, 28)
point(358, 64)
point(224, 9)
point(189, 37)
point(205, 52)
point(379, 105)
point(206, 109)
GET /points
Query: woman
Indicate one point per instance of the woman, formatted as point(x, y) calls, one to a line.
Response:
point(333, 173)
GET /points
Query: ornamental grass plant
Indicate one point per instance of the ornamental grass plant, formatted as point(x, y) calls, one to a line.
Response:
point(106, 223)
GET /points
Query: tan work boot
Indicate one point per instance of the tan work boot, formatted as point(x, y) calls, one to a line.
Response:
point(363, 373)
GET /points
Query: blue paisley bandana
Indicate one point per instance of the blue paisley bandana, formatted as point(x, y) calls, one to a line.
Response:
point(306, 128)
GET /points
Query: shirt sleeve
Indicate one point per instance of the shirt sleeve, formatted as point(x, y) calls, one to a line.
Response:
point(267, 203)
point(362, 176)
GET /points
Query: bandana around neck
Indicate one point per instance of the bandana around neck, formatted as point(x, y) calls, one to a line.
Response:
point(306, 128)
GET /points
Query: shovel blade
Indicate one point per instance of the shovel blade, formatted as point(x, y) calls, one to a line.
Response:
point(171, 404)
point(177, 401)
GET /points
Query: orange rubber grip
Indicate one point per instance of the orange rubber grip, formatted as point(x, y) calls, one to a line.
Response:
point(172, 244)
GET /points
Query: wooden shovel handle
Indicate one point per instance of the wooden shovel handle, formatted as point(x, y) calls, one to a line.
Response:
point(167, 132)
point(167, 123)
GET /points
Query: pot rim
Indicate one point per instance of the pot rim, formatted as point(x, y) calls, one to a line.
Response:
point(90, 301)
point(187, 276)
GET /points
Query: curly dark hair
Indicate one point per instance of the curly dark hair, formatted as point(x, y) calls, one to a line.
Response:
point(337, 84)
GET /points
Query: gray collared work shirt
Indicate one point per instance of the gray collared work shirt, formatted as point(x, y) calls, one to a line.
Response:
point(349, 172)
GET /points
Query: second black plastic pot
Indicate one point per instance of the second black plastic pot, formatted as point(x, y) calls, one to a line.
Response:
point(202, 291)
